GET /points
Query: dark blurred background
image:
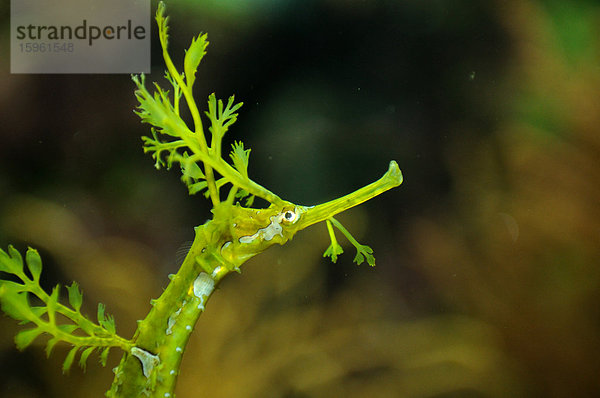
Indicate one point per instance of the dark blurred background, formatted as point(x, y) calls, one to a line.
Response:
point(487, 277)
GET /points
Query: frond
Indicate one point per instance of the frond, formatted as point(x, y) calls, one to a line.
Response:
point(53, 318)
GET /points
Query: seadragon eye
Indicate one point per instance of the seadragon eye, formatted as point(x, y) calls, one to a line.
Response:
point(290, 216)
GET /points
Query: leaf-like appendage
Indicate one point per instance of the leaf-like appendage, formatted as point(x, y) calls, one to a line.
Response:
point(202, 185)
point(191, 174)
point(13, 287)
point(228, 115)
point(157, 147)
point(163, 113)
point(163, 26)
point(50, 345)
point(158, 110)
point(75, 296)
point(84, 356)
point(241, 194)
point(333, 252)
point(197, 187)
point(15, 303)
point(193, 56)
point(105, 320)
point(69, 359)
point(25, 337)
point(104, 356)
point(109, 324)
point(221, 118)
point(11, 262)
point(101, 310)
point(334, 249)
point(240, 158)
point(190, 168)
point(34, 263)
point(52, 304)
point(363, 251)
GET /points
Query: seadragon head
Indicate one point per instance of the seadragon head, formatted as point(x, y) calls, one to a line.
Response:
point(245, 232)
point(238, 231)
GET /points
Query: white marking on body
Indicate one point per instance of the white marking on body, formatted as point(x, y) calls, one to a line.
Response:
point(188, 328)
point(274, 228)
point(172, 319)
point(172, 372)
point(203, 287)
point(148, 360)
point(178, 349)
point(216, 270)
point(266, 233)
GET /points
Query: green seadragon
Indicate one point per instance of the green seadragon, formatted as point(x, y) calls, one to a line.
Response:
point(236, 233)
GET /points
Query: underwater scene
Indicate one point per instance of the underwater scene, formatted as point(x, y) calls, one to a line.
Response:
point(436, 163)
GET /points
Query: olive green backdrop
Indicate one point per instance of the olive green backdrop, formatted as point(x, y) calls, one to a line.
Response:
point(487, 277)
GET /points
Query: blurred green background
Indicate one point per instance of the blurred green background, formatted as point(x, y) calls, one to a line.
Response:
point(487, 277)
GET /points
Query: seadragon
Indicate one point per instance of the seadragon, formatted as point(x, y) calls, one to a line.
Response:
point(237, 232)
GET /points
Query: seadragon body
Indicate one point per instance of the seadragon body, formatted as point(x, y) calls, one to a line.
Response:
point(223, 244)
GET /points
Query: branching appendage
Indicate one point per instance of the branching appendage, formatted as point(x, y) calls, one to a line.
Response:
point(53, 318)
point(237, 232)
